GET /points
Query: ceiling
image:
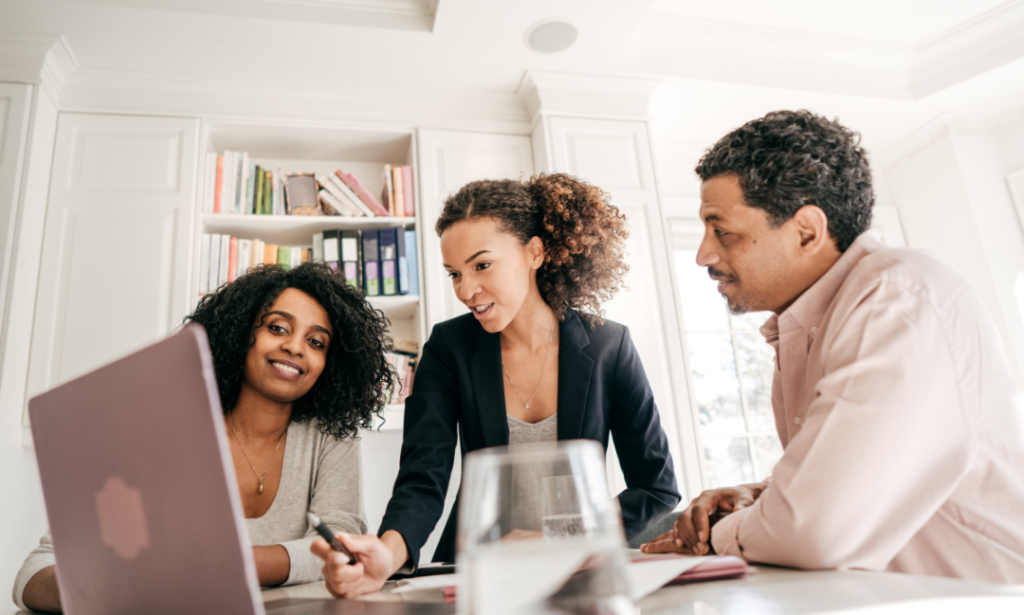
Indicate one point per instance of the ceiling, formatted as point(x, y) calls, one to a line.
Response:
point(897, 63)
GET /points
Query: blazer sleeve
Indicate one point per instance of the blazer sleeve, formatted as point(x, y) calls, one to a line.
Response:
point(641, 445)
point(430, 436)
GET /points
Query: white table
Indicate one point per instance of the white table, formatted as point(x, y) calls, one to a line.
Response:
point(770, 591)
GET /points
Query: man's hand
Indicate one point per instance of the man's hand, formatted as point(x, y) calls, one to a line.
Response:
point(347, 579)
point(692, 531)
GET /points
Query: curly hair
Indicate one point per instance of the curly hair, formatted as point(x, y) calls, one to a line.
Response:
point(789, 159)
point(356, 377)
point(584, 235)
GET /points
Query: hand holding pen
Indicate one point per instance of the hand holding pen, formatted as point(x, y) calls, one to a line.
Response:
point(353, 565)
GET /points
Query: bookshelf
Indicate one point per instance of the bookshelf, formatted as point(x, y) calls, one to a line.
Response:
point(320, 150)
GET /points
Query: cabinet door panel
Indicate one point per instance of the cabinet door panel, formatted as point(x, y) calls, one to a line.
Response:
point(126, 161)
point(130, 280)
point(616, 156)
point(14, 111)
point(116, 245)
point(448, 160)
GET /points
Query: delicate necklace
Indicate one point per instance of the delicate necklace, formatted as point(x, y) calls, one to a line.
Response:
point(258, 475)
point(526, 402)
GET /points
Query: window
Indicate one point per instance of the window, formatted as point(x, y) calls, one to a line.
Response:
point(731, 369)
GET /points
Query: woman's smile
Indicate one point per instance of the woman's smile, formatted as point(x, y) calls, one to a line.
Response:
point(286, 369)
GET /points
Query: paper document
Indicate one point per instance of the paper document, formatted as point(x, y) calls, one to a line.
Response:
point(434, 581)
point(648, 575)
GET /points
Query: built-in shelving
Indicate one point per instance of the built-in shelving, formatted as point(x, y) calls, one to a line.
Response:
point(293, 230)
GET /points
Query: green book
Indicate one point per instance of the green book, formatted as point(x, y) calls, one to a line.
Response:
point(268, 192)
point(284, 257)
point(259, 190)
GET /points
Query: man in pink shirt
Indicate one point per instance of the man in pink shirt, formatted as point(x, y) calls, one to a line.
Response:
point(901, 422)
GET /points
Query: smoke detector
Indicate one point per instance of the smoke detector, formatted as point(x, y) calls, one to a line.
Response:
point(551, 36)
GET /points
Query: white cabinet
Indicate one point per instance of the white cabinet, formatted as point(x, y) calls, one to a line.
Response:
point(448, 161)
point(113, 275)
point(615, 155)
point(15, 99)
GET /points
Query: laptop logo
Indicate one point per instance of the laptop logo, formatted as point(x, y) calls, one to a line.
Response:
point(122, 518)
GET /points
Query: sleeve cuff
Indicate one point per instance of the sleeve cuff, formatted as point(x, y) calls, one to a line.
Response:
point(304, 566)
point(31, 567)
point(725, 535)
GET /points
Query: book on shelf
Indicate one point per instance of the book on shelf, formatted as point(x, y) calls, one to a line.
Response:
point(414, 262)
point(402, 358)
point(409, 192)
point(361, 193)
point(235, 183)
point(382, 262)
point(371, 262)
point(398, 193)
point(387, 196)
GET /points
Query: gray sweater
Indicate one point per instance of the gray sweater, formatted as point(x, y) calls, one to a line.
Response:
point(320, 474)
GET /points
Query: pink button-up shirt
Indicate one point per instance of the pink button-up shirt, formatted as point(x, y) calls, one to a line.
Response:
point(902, 426)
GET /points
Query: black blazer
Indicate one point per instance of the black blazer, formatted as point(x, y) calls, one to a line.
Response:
point(459, 391)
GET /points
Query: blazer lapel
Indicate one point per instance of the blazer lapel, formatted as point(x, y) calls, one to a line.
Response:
point(574, 372)
point(488, 389)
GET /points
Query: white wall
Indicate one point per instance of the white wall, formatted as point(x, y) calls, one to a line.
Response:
point(22, 514)
point(954, 201)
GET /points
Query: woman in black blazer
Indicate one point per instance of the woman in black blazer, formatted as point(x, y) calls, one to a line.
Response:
point(527, 258)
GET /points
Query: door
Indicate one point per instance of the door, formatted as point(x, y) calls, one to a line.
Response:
point(115, 258)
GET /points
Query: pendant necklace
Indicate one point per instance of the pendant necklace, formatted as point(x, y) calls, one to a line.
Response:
point(259, 476)
point(526, 402)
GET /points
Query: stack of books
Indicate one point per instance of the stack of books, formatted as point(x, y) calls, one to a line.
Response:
point(383, 262)
point(235, 184)
point(341, 194)
point(402, 357)
point(222, 258)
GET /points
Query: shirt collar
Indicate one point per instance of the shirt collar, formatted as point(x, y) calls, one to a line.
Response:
point(809, 308)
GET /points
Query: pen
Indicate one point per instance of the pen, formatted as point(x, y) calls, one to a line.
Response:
point(315, 523)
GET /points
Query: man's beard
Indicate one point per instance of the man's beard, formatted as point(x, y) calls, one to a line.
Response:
point(738, 306)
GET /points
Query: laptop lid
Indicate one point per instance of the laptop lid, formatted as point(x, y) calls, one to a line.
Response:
point(140, 489)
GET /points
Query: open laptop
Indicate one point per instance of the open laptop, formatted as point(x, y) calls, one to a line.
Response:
point(140, 488)
point(141, 493)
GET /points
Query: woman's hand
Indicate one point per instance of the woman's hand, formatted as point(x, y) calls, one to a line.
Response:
point(692, 531)
point(345, 579)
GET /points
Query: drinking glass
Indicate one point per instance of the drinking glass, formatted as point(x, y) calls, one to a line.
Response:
point(563, 552)
point(565, 511)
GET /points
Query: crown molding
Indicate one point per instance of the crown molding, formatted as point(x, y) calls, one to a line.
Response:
point(414, 15)
point(969, 49)
point(58, 66)
point(145, 93)
point(678, 47)
point(717, 51)
point(41, 59)
point(943, 125)
point(554, 93)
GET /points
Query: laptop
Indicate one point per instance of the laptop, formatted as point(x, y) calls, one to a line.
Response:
point(141, 494)
point(140, 489)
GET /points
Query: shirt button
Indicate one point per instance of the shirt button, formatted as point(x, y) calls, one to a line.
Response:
point(796, 419)
point(814, 329)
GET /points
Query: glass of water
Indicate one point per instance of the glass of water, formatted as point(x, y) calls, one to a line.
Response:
point(565, 510)
point(539, 533)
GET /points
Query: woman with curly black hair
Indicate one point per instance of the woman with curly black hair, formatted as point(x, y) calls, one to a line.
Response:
point(534, 361)
point(300, 364)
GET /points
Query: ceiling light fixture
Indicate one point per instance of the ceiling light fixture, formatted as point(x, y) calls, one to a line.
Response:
point(551, 36)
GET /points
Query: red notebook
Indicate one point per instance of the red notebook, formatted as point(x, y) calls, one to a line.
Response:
point(718, 567)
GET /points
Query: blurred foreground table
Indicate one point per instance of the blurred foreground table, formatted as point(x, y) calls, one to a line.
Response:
point(769, 590)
